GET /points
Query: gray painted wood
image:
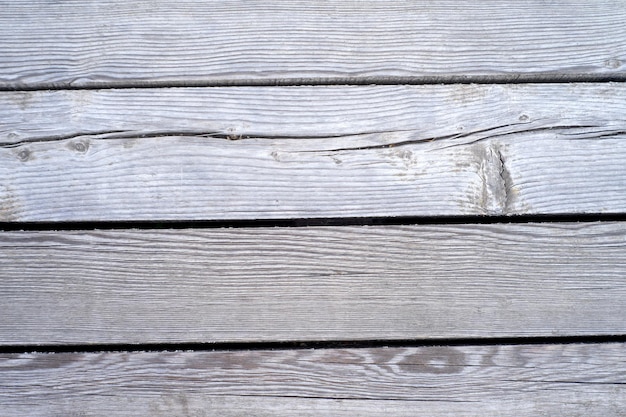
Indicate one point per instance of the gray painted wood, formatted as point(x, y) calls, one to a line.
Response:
point(318, 283)
point(108, 43)
point(523, 380)
point(248, 153)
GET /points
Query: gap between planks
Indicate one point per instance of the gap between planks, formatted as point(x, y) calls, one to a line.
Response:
point(312, 222)
point(308, 344)
point(513, 79)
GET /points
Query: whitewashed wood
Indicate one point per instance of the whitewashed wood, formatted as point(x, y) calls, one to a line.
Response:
point(523, 380)
point(249, 153)
point(82, 43)
point(318, 283)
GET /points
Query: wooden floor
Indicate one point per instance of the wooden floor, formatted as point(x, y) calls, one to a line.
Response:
point(228, 208)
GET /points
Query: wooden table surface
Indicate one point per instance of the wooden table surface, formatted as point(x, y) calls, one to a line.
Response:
point(298, 208)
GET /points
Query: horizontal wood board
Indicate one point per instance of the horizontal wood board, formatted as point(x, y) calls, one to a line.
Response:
point(517, 380)
point(159, 42)
point(298, 152)
point(314, 283)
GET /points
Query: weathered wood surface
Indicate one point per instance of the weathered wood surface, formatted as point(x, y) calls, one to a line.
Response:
point(305, 112)
point(326, 151)
point(523, 380)
point(109, 43)
point(318, 283)
point(249, 153)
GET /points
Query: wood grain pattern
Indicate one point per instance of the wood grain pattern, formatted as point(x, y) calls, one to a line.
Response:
point(307, 112)
point(277, 152)
point(317, 283)
point(249, 153)
point(109, 43)
point(523, 380)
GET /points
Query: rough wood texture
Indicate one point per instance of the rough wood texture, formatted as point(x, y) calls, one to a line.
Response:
point(526, 380)
point(82, 43)
point(320, 283)
point(305, 112)
point(249, 153)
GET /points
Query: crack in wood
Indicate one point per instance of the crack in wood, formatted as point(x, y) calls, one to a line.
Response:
point(59, 138)
point(122, 134)
point(493, 196)
point(505, 179)
point(607, 135)
point(524, 131)
point(458, 136)
point(414, 141)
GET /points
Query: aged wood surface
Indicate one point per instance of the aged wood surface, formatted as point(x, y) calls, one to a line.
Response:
point(109, 43)
point(423, 112)
point(316, 283)
point(249, 153)
point(517, 380)
point(331, 150)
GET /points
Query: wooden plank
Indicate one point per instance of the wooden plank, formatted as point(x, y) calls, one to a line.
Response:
point(116, 43)
point(249, 153)
point(316, 283)
point(521, 380)
point(306, 112)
